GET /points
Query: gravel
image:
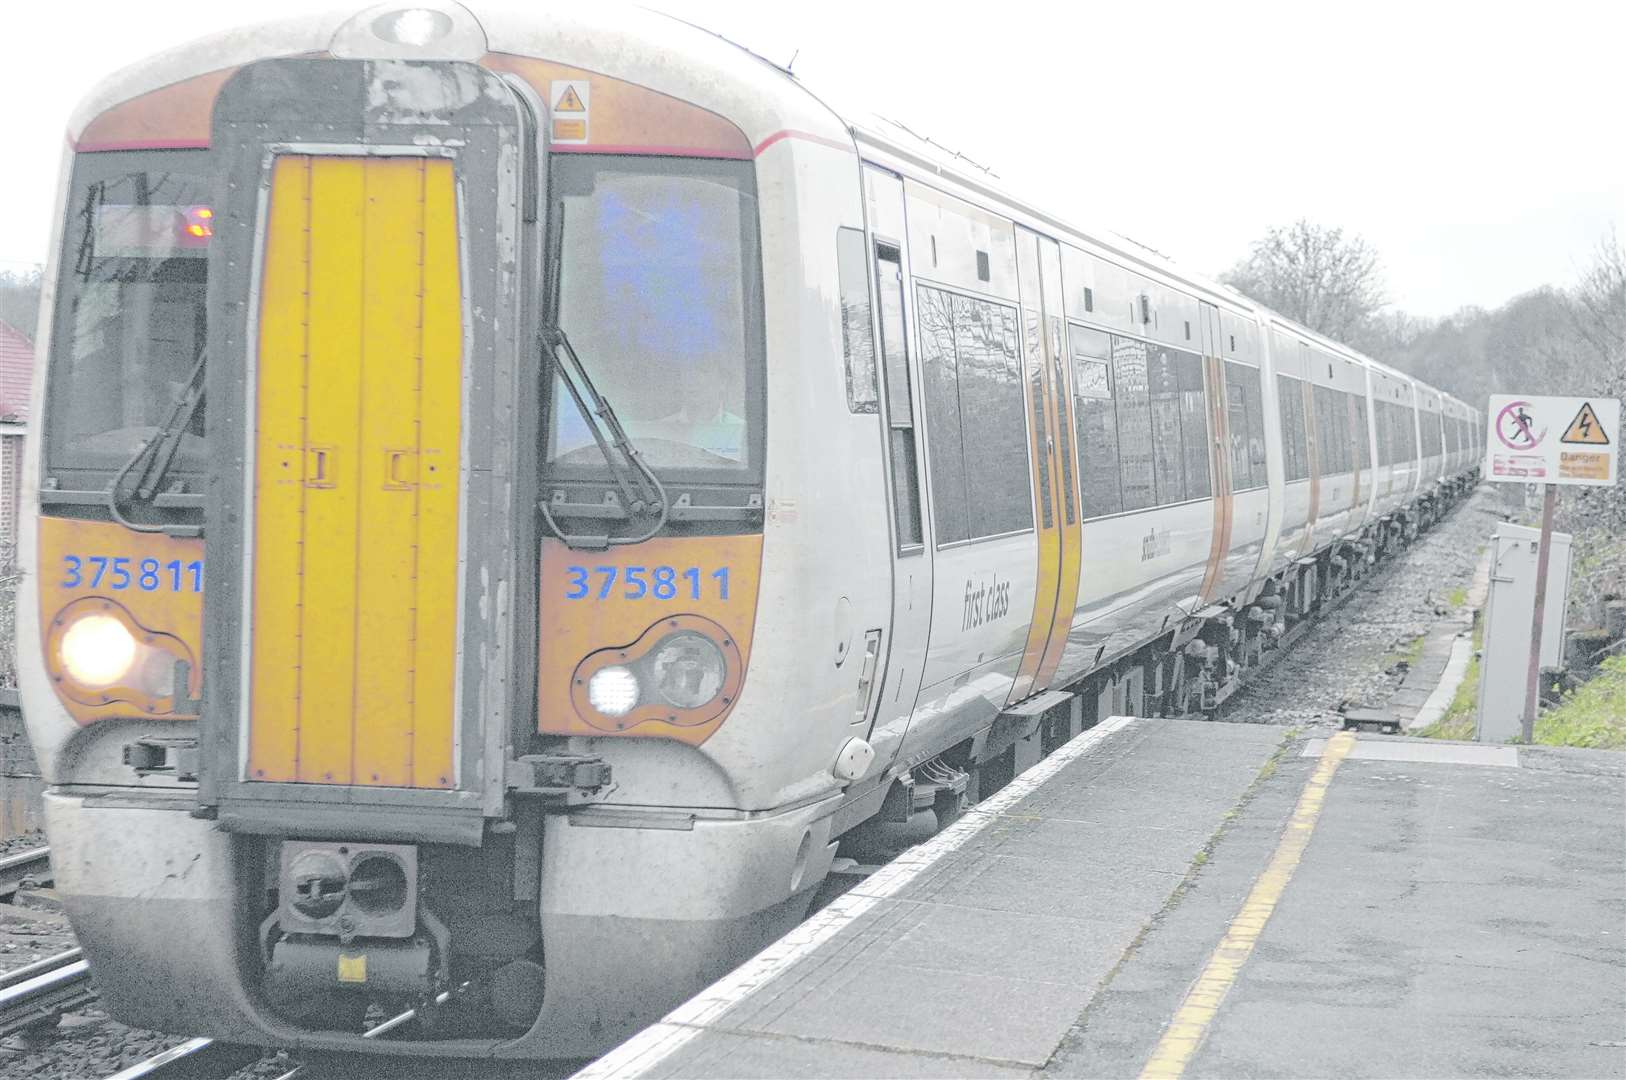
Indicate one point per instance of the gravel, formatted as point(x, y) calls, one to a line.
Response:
point(1347, 658)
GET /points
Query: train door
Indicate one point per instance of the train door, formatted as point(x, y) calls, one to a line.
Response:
point(1067, 479)
point(905, 653)
point(1038, 261)
point(352, 640)
point(1312, 444)
point(1219, 421)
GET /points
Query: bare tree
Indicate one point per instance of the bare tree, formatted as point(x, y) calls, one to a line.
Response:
point(1600, 311)
point(1315, 275)
point(20, 298)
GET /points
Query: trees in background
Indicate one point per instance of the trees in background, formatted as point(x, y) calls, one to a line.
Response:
point(1314, 275)
point(20, 298)
point(1550, 340)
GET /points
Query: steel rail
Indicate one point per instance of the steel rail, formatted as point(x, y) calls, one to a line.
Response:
point(200, 1058)
point(39, 967)
point(33, 864)
point(195, 1059)
point(60, 984)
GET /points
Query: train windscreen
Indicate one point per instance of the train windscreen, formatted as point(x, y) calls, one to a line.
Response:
point(130, 323)
point(660, 294)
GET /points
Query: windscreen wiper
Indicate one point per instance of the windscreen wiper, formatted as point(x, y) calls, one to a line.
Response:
point(641, 490)
point(157, 454)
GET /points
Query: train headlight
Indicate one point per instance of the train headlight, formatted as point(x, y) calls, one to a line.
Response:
point(613, 691)
point(687, 669)
point(412, 26)
point(98, 651)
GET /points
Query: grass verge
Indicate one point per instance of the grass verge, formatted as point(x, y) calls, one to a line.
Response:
point(1592, 715)
point(1460, 716)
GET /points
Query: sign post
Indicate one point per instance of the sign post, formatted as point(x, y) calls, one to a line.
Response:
point(1552, 441)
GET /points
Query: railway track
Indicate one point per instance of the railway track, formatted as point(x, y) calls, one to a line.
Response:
point(31, 865)
point(37, 994)
point(207, 1059)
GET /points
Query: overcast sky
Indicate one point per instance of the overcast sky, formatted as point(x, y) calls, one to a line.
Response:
point(1478, 146)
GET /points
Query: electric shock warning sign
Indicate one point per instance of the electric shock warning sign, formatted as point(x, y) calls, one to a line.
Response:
point(569, 102)
point(1552, 440)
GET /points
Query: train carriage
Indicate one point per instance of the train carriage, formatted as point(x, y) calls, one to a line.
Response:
point(517, 489)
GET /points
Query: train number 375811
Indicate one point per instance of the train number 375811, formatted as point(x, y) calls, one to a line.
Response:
point(120, 572)
point(637, 582)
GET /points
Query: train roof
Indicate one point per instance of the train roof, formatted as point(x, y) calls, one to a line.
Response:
point(715, 73)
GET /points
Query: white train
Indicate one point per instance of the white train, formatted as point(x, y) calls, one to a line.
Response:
point(620, 477)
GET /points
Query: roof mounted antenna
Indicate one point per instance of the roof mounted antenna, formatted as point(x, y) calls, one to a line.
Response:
point(790, 65)
point(955, 154)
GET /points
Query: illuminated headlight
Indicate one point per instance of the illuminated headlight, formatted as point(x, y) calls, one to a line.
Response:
point(412, 26)
point(98, 651)
point(613, 691)
point(687, 670)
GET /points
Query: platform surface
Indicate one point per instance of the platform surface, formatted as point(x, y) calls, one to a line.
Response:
point(1454, 914)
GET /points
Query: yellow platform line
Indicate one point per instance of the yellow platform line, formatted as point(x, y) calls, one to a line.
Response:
point(1189, 1027)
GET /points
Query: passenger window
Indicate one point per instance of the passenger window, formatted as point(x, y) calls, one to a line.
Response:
point(1194, 425)
point(1295, 445)
point(1133, 398)
point(1256, 426)
point(1236, 403)
point(857, 329)
point(1096, 422)
point(899, 411)
point(1247, 427)
point(1063, 429)
point(1363, 448)
point(1168, 466)
point(971, 363)
point(1036, 380)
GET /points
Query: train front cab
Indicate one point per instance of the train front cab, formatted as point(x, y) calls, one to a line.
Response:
point(356, 775)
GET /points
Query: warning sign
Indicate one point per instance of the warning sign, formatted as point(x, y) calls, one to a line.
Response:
point(1574, 465)
point(569, 106)
point(1521, 449)
point(1585, 429)
point(569, 101)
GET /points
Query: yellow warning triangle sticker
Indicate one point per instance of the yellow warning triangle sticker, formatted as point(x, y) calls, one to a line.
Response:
point(1585, 429)
point(570, 101)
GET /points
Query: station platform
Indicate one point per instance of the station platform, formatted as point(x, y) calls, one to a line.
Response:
point(1168, 898)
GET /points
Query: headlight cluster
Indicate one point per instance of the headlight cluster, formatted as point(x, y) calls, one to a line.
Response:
point(102, 655)
point(685, 670)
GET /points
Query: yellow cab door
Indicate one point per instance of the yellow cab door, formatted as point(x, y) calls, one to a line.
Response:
point(358, 407)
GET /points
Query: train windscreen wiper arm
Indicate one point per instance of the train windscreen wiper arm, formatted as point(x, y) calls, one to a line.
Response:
point(641, 489)
point(157, 454)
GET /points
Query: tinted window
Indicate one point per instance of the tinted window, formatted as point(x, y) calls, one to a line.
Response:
point(1295, 445)
point(659, 290)
point(130, 324)
point(1064, 430)
point(1096, 421)
point(1363, 448)
point(1431, 434)
point(1194, 425)
point(991, 415)
point(1168, 455)
point(975, 423)
point(857, 336)
point(1236, 404)
point(1333, 438)
point(941, 390)
point(1036, 397)
point(1133, 398)
point(900, 411)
